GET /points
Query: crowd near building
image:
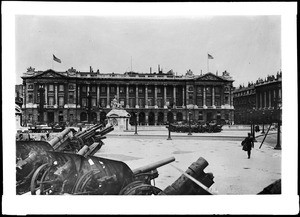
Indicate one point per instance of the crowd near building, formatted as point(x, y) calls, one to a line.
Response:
point(259, 102)
point(152, 98)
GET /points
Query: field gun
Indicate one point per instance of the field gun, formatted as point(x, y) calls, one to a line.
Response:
point(70, 173)
point(30, 155)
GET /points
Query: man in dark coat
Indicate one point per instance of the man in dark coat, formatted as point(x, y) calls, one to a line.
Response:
point(248, 144)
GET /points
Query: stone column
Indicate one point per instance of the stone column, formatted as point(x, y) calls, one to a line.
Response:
point(146, 119)
point(146, 98)
point(165, 96)
point(183, 104)
point(75, 88)
point(257, 101)
point(265, 99)
point(88, 89)
point(155, 98)
point(136, 96)
point(204, 97)
point(118, 92)
point(270, 99)
point(213, 97)
point(98, 95)
point(107, 97)
point(260, 100)
point(186, 95)
point(46, 95)
point(127, 95)
point(56, 96)
point(78, 91)
point(174, 96)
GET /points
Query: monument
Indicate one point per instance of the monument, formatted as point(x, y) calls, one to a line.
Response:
point(118, 116)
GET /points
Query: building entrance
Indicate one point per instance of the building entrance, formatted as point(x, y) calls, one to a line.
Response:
point(50, 117)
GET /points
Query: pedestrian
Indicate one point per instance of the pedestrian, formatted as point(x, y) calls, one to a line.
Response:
point(248, 144)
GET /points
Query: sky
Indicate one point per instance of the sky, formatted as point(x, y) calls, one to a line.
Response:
point(248, 47)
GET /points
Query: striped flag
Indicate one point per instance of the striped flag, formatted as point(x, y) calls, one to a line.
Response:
point(56, 59)
point(209, 56)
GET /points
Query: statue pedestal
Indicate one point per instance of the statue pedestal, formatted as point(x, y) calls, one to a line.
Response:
point(119, 118)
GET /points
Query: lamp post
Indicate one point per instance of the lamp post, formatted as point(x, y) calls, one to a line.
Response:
point(263, 122)
point(278, 117)
point(190, 124)
point(169, 128)
point(135, 133)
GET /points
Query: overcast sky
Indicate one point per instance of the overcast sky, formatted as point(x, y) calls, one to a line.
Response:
point(248, 47)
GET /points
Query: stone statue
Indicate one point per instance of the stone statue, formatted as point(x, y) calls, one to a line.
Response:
point(115, 104)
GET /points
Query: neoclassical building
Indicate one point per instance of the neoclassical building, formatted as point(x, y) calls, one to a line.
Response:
point(259, 102)
point(151, 98)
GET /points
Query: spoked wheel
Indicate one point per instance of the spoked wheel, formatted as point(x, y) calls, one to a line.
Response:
point(143, 189)
point(40, 176)
point(139, 188)
point(86, 184)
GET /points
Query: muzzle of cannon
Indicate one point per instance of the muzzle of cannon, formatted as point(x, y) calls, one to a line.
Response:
point(59, 141)
point(184, 185)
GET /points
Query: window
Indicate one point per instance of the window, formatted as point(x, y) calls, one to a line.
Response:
point(199, 90)
point(71, 87)
point(149, 90)
point(158, 90)
point(131, 90)
point(103, 89)
point(51, 100)
point(208, 90)
point(83, 102)
point(122, 90)
point(190, 88)
point(61, 101)
point(83, 89)
point(150, 102)
point(93, 102)
point(30, 98)
point(217, 90)
point(71, 99)
point(93, 89)
point(103, 103)
point(30, 86)
point(132, 102)
point(51, 87)
point(61, 87)
point(112, 89)
point(140, 90)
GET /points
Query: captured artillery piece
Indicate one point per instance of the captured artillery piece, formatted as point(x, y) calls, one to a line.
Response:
point(195, 128)
point(77, 175)
point(30, 155)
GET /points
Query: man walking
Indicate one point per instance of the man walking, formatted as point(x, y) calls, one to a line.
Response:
point(248, 144)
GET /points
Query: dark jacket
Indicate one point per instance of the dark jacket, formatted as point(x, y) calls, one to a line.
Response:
point(249, 143)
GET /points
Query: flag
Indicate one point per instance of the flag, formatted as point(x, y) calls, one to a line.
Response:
point(209, 56)
point(56, 59)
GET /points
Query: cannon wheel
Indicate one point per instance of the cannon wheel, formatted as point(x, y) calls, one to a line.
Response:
point(38, 177)
point(81, 185)
point(139, 188)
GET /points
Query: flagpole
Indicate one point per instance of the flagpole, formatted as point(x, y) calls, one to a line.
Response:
point(207, 63)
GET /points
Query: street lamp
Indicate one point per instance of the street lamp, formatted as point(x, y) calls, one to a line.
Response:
point(135, 133)
point(190, 124)
point(278, 114)
point(263, 122)
point(169, 128)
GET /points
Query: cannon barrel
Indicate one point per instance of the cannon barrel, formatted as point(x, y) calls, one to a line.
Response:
point(93, 128)
point(105, 131)
point(60, 138)
point(153, 166)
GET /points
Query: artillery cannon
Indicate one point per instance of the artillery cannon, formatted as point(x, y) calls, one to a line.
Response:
point(195, 128)
point(30, 155)
point(68, 173)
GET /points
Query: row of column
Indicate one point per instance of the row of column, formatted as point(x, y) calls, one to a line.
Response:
point(262, 101)
point(136, 95)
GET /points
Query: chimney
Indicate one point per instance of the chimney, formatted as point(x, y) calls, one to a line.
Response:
point(158, 68)
point(150, 70)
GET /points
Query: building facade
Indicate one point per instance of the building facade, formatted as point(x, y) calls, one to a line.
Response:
point(259, 102)
point(151, 98)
